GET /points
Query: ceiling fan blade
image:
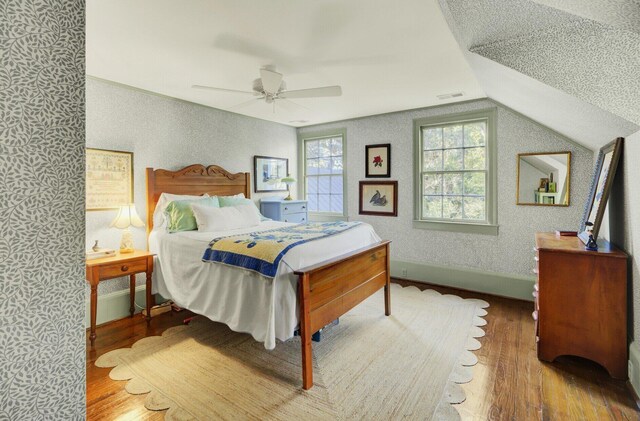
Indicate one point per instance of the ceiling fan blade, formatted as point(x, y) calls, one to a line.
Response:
point(285, 101)
point(244, 104)
point(271, 80)
point(212, 88)
point(313, 92)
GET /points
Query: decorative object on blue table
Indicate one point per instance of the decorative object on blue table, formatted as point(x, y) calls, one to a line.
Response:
point(288, 180)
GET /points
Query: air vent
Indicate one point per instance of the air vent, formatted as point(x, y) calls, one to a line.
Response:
point(298, 121)
point(449, 96)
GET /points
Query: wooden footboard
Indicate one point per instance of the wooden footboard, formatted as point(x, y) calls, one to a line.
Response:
point(329, 289)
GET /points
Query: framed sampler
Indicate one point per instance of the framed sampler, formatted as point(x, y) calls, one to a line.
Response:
point(109, 179)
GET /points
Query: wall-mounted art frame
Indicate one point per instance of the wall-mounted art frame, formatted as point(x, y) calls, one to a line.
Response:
point(378, 161)
point(378, 198)
point(601, 185)
point(267, 173)
point(109, 179)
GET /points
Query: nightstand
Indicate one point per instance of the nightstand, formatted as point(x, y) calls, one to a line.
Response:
point(285, 210)
point(115, 267)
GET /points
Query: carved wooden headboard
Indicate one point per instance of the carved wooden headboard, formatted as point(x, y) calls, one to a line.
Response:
point(193, 180)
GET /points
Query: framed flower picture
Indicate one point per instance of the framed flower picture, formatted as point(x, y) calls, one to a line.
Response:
point(378, 159)
point(379, 198)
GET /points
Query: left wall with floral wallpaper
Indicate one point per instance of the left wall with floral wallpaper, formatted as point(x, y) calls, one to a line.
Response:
point(42, 86)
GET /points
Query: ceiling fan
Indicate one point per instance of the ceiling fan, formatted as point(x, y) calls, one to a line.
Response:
point(271, 87)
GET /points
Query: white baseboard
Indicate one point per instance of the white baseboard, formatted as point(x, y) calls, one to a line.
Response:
point(114, 306)
point(634, 366)
point(512, 286)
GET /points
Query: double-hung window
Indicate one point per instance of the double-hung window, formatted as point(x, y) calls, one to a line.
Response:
point(455, 173)
point(323, 173)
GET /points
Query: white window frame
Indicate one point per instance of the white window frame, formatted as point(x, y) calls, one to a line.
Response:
point(315, 135)
point(490, 225)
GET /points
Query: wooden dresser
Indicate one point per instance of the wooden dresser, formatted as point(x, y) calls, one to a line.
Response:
point(581, 302)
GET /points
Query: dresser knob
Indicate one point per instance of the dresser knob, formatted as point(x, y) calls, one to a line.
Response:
point(286, 208)
point(124, 268)
point(304, 207)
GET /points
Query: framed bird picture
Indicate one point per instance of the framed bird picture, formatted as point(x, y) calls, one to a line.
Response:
point(379, 198)
point(378, 159)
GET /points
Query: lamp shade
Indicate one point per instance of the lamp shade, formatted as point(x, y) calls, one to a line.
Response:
point(127, 216)
point(288, 180)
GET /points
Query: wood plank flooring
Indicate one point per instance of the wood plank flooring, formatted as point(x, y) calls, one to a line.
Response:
point(509, 383)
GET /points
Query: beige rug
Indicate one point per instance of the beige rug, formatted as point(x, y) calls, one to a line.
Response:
point(369, 366)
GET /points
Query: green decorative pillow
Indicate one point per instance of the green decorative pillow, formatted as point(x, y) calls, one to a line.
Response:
point(179, 215)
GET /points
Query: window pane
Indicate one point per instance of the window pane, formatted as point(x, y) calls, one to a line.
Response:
point(474, 208)
point(474, 159)
point(474, 183)
point(452, 136)
point(432, 207)
point(475, 134)
point(452, 159)
point(324, 185)
point(324, 203)
point(336, 184)
point(324, 165)
point(432, 184)
point(312, 166)
point(432, 160)
point(452, 184)
point(312, 185)
point(313, 202)
point(432, 138)
point(336, 203)
point(336, 146)
point(312, 148)
point(336, 165)
point(324, 147)
point(452, 207)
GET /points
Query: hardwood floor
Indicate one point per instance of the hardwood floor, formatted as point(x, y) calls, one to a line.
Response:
point(509, 383)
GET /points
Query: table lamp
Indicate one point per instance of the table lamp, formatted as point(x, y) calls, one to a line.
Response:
point(127, 216)
point(288, 180)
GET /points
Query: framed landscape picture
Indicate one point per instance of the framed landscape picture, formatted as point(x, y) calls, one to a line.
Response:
point(378, 160)
point(267, 173)
point(109, 179)
point(379, 198)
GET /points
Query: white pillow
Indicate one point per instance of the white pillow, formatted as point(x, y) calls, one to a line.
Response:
point(211, 219)
point(163, 202)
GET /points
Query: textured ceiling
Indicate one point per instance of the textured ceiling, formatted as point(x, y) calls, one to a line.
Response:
point(578, 76)
point(387, 56)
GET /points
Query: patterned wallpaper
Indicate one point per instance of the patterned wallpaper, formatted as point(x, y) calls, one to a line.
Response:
point(164, 132)
point(42, 338)
point(594, 61)
point(510, 251)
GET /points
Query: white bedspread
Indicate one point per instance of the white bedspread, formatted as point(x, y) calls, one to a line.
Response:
point(245, 301)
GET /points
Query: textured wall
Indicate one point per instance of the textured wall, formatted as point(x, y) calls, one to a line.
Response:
point(42, 339)
point(168, 133)
point(510, 251)
point(622, 226)
point(497, 26)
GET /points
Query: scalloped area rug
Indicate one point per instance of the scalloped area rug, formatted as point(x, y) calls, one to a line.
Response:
point(369, 366)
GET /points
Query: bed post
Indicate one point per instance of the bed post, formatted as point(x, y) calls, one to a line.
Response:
point(387, 286)
point(305, 331)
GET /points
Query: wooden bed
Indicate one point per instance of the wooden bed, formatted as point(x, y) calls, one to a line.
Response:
point(326, 290)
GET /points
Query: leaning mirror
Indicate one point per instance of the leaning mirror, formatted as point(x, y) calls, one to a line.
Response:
point(543, 179)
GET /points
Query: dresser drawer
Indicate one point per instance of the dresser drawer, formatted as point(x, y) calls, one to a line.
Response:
point(295, 217)
point(122, 269)
point(290, 208)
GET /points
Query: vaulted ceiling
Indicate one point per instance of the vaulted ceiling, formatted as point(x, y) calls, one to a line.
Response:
point(573, 65)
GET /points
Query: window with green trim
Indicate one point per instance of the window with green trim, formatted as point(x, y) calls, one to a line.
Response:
point(323, 174)
point(455, 173)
